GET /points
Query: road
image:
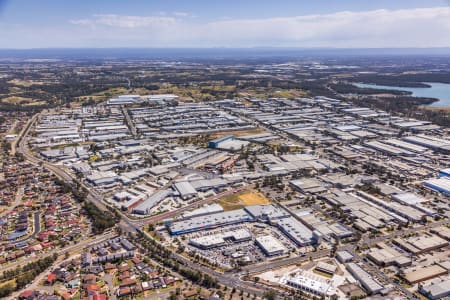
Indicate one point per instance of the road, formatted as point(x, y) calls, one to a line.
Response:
point(37, 227)
point(110, 282)
point(17, 200)
point(372, 269)
point(129, 121)
point(71, 248)
point(227, 279)
point(172, 214)
point(253, 269)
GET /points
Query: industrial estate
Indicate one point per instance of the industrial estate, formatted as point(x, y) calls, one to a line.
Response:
point(147, 196)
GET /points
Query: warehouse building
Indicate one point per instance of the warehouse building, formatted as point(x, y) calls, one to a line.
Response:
point(185, 189)
point(365, 279)
point(326, 267)
point(421, 244)
point(202, 211)
point(423, 274)
point(442, 231)
point(431, 142)
point(270, 245)
point(441, 185)
point(388, 149)
point(144, 208)
point(266, 213)
point(307, 185)
point(387, 256)
point(444, 173)
point(216, 143)
point(228, 143)
point(344, 256)
point(297, 232)
point(220, 239)
point(102, 178)
point(124, 100)
point(310, 283)
point(209, 221)
point(436, 290)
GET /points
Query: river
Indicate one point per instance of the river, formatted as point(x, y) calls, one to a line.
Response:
point(437, 90)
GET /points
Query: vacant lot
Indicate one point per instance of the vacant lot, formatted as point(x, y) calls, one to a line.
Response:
point(242, 199)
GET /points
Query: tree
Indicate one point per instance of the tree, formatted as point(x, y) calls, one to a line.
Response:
point(270, 295)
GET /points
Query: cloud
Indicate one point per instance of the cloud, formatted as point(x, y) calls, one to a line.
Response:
point(112, 20)
point(418, 27)
point(181, 14)
point(377, 28)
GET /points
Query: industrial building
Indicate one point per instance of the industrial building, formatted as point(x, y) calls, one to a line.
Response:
point(421, 244)
point(387, 256)
point(344, 256)
point(308, 185)
point(124, 100)
point(185, 189)
point(220, 239)
point(441, 185)
point(423, 274)
point(431, 142)
point(209, 221)
point(266, 213)
point(310, 283)
point(326, 267)
point(144, 208)
point(270, 245)
point(444, 173)
point(295, 230)
point(365, 279)
point(388, 149)
point(436, 290)
point(229, 143)
point(202, 211)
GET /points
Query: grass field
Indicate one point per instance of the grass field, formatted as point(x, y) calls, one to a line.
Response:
point(25, 83)
point(242, 199)
point(106, 94)
point(16, 99)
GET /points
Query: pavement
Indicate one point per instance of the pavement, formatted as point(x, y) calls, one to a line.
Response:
point(254, 269)
point(110, 282)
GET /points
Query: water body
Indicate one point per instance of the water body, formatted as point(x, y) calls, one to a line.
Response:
point(437, 90)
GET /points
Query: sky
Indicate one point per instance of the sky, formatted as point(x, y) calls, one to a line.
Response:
point(230, 23)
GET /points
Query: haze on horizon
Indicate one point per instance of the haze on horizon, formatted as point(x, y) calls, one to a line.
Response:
point(234, 24)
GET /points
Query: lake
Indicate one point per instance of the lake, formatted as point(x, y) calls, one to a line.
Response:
point(437, 90)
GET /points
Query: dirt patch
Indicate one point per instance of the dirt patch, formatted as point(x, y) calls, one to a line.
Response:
point(242, 199)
